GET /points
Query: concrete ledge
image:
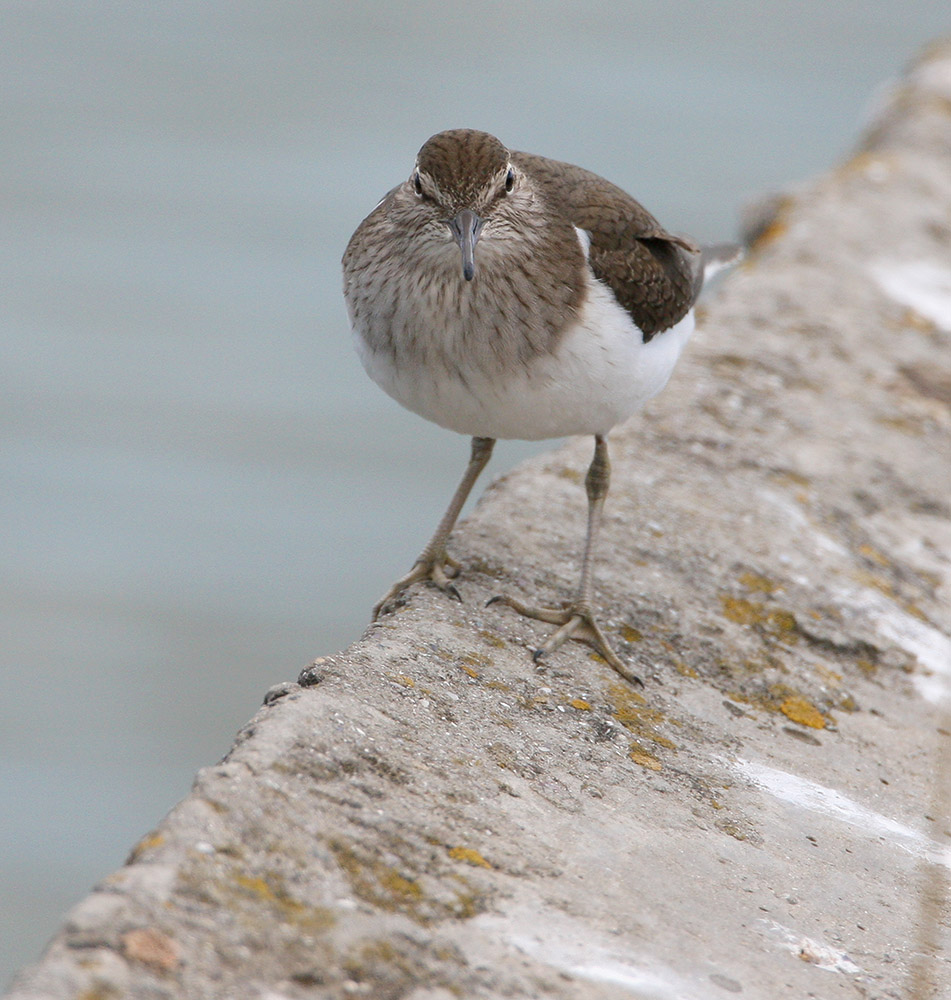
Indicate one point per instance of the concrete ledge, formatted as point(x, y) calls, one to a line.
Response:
point(428, 816)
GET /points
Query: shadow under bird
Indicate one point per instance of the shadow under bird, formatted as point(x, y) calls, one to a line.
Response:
point(505, 295)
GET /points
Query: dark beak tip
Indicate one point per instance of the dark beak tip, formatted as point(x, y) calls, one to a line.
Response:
point(466, 227)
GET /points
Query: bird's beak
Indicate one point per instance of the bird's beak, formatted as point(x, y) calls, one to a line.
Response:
point(466, 228)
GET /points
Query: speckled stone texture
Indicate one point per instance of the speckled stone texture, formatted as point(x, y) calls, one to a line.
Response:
point(430, 816)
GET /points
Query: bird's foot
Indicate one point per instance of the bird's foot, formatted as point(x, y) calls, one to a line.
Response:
point(576, 621)
point(438, 570)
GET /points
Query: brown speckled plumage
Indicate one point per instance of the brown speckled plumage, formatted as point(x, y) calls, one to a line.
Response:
point(407, 294)
point(528, 298)
point(653, 274)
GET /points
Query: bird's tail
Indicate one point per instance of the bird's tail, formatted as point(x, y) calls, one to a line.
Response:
point(718, 257)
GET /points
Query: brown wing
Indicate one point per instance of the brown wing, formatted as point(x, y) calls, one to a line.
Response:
point(654, 275)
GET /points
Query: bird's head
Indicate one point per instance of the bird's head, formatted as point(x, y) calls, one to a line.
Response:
point(464, 177)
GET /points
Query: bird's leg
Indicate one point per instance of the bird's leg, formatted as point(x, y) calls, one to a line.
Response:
point(434, 563)
point(577, 621)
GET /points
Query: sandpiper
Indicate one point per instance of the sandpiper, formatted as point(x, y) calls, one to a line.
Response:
point(505, 295)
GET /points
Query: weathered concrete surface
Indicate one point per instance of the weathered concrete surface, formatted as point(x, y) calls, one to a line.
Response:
point(434, 817)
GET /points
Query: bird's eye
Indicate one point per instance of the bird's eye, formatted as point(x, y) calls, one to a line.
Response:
point(417, 184)
point(509, 180)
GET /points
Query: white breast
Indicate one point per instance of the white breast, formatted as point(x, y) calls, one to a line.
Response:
point(600, 374)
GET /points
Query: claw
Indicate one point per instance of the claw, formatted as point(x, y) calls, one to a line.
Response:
point(577, 622)
point(424, 570)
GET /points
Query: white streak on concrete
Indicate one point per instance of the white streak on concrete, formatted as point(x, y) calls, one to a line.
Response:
point(826, 801)
point(807, 949)
point(930, 647)
point(568, 945)
point(812, 796)
point(922, 285)
point(821, 799)
point(798, 518)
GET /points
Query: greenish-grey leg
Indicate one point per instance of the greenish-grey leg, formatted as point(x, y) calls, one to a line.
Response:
point(434, 564)
point(577, 621)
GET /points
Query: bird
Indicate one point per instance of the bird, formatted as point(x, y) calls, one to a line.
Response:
point(506, 295)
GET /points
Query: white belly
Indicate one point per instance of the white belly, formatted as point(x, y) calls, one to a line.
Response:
point(601, 373)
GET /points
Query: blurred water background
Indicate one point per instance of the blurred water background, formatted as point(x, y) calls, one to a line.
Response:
point(201, 490)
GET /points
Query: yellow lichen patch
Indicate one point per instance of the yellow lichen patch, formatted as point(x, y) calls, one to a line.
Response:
point(256, 886)
point(798, 709)
point(741, 611)
point(784, 623)
point(732, 829)
point(470, 856)
point(879, 582)
point(683, 669)
point(632, 711)
point(379, 884)
point(492, 639)
point(146, 844)
point(580, 704)
point(271, 890)
point(873, 555)
point(626, 697)
point(789, 478)
point(876, 581)
point(780, 623)
point(831, 677)
point(782, 698)
point(251, 898)
point(758, 584)
point(532, 701)
point(384, 967)
point(471, 671)
point(476, 659)
point(404, 679)
point(400, 886)
point(466, 902)
point(643, 757)
point(631, 634)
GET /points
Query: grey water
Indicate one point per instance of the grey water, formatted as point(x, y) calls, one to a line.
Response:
point(201, 490)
